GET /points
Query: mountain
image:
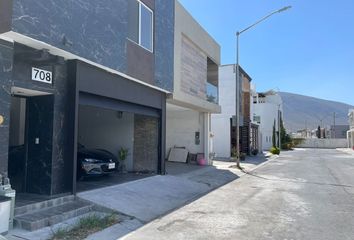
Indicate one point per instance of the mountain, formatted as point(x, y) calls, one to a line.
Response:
point(303, 111)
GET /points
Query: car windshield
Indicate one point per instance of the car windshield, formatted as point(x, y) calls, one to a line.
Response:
point(89, 160)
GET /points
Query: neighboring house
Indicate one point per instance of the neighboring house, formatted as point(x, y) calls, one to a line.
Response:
point(223, 125)
point(196, 81)
point(256, 134)
point(90, 72)
point(350, 133)
point(248, 131)
point(304, 133)
point(267, 108)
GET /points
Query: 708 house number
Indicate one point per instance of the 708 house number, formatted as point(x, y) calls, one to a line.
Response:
point(42, 75)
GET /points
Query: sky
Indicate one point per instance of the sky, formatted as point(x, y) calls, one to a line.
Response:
point(308, 49)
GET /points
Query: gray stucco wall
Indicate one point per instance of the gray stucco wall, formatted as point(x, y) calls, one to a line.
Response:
point(98, 31)
point(193, 46)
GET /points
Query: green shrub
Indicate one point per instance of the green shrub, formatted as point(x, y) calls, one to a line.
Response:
point(275, 150)
point(85, 227)
point(287, 146)
point(297, 141)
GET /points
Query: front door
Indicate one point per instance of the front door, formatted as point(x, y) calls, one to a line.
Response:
point(30, 151)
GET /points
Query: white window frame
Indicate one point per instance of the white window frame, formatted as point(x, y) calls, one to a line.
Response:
point(141, 4)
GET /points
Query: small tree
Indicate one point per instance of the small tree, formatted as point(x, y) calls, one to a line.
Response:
point(278, 139)
point(286, 139)
point(283, 135)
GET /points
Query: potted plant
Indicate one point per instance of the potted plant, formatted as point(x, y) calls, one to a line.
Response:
point(122, 155)
point(255, 152)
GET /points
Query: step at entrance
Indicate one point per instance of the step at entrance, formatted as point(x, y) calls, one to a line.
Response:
point(48, 213)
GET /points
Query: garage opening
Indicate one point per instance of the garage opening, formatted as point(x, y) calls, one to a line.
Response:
point(117, 142)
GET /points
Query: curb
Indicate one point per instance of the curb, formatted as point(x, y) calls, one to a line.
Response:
point(270, 159)
point(345, 150)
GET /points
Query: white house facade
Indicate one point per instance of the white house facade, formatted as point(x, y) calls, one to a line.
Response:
point(222, 124)
point(254, 120)
point(266, 109)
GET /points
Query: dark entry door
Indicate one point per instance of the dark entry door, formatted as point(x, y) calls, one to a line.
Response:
point(17, 144)
point(39, 144)
point(30, 143)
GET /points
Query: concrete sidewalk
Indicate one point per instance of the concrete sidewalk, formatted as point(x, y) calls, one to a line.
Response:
point(150, 198)
point(346, 150)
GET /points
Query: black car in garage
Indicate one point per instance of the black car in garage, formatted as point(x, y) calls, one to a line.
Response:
point(95, 162)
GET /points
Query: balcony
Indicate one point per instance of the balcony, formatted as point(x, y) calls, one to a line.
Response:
point(212, 92)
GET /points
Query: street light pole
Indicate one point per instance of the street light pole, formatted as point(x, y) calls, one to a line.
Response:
point(238, 82)
point(334, 125)
point(237, 113)
point(279, 126)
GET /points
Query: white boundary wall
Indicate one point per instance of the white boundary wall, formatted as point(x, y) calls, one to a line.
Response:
point(324, 143)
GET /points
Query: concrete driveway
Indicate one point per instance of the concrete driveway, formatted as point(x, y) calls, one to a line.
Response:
point(303, 194)
point(149, 198)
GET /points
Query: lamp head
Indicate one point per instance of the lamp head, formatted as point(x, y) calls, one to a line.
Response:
point(284, 9)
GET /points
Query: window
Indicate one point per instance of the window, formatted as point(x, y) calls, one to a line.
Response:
point(257, 119)
point(141, 24)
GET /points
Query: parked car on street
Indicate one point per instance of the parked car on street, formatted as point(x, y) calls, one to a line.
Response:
point(95, 162)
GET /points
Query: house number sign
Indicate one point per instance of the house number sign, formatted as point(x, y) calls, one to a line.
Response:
point(41, 75)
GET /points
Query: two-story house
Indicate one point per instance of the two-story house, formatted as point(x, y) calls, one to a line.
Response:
point(196, 81)
point(223, 125)
point(267, 109)
point(95, 73)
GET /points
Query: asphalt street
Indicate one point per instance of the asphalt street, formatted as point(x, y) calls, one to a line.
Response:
point(303, 194)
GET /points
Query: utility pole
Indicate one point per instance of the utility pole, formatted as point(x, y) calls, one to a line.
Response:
point(334, 125)
point(279, 130)
point(237, 90)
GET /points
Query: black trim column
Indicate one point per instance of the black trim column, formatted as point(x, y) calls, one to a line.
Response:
point(73, 129)
point(162, 162)
point(6, 66)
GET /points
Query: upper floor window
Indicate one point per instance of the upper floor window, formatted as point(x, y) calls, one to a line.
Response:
point(257, 119)
point(141, 24)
